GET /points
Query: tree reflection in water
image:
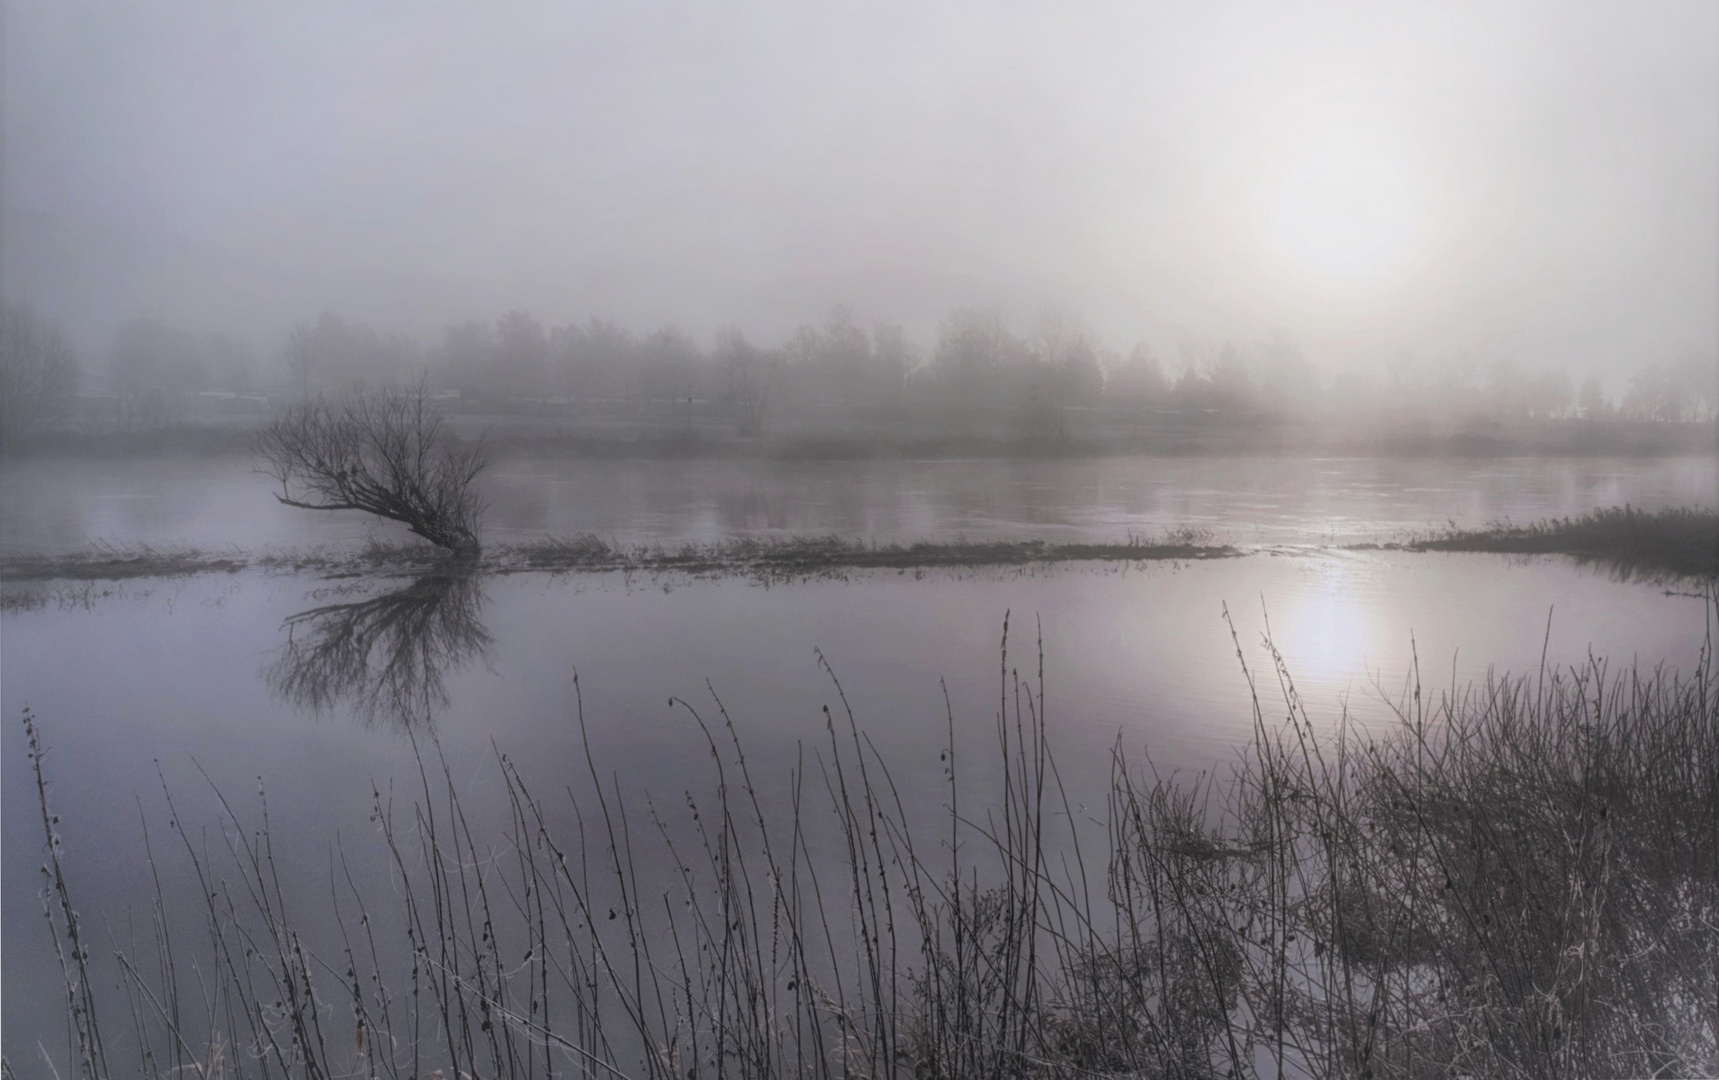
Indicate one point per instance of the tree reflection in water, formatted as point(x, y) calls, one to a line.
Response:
point(386, 657)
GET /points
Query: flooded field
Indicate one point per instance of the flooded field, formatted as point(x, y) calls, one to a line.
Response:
point(323, 692)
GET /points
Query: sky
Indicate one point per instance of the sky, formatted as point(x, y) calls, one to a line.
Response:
point(1531, 181)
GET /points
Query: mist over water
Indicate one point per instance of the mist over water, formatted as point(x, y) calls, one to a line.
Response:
point(1465, 183)
point(406, 405)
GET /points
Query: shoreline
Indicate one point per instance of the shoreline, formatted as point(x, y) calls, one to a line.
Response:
point(589, 554)
point(1663, 545)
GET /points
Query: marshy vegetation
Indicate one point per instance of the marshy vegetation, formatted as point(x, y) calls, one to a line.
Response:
point(747, 556)
point(793, 556)
point(1674, 543)
point(1518, 878)
point(1682, 541)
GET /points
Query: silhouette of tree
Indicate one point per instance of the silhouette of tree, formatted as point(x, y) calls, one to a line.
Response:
point(38, 373)
point(521, 361)
point(750, 373)
point(333, 355)
point(382, 451)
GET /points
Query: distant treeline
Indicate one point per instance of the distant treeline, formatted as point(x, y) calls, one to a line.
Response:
point(1035, 384)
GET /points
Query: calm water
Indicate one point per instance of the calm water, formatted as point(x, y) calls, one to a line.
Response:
point(217, 675)
point(59, 505)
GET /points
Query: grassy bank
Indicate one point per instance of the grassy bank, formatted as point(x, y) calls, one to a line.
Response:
point(813, 555)
point(1663, 544)
point(1520, 879)
point(1681, 541)
point(129, 562)
point(783, 557)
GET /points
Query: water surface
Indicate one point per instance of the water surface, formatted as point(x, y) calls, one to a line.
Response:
point(249, 682)
point(57, 505)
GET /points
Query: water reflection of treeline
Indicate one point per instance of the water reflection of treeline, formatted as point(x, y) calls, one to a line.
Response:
point(1051, 380)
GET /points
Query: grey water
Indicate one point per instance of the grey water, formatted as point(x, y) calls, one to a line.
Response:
point(217, 682)
point(57, 504)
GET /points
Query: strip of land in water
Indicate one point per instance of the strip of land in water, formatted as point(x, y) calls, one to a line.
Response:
point(1666, 543)
point(591, 554)
point(1681, 542)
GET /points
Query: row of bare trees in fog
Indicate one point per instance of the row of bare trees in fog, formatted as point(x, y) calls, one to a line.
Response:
point(976, 361)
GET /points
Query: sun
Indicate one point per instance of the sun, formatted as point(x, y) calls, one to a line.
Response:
point(1346, 215)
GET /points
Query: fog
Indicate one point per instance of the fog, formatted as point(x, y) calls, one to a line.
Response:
point(1523, 182)
point(954, 539)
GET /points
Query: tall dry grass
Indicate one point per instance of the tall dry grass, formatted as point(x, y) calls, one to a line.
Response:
point(1518, 879)
point(1680, 542)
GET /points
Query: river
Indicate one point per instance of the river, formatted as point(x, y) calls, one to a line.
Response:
point(238, 682)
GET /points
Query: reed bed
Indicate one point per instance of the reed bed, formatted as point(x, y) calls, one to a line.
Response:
point(1677, 542)
point(1517, 879)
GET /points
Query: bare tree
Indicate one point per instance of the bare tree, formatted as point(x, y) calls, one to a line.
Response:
point(750, 375)
point(384, 451)
point(300, 355)
point(38, 374)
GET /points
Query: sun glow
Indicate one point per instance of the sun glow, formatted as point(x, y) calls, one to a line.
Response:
point(1346, 215)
